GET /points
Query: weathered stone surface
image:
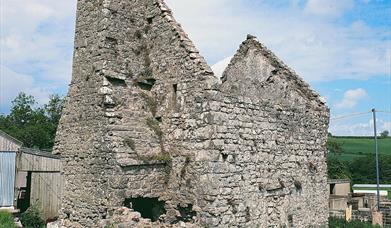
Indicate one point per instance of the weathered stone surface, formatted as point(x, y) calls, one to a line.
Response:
point(127, 218)
point(146, 117)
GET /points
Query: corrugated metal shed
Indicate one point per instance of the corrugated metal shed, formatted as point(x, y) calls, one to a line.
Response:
point(7, 178)
point(39, 177)
point(8, 149)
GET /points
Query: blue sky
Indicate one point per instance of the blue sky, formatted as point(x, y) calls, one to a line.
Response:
point(341, 47)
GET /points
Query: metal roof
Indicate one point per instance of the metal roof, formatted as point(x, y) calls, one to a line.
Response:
point(371, 186)
point(338, 181)
point(9, 137)
point(40, 153)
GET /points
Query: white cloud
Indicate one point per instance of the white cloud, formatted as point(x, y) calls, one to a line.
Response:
point(332, 8)
point(351, 98)
point(36, 43)
point(317, 48)
point(220, 66)
point(37, 37)
point(386, 126)
point(359, 129)
point(11, 83)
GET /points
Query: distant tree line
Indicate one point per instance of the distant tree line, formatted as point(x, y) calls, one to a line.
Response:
point(360, 169)
point(34, 125)
point(383, 134)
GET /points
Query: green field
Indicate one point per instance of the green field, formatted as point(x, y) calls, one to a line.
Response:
point(353, 147)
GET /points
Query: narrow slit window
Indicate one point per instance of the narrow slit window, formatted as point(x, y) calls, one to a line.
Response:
point(146, 84)
point(116, 82)
point(175, 91)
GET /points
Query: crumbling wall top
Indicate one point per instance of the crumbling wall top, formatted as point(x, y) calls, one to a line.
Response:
point(256, 66)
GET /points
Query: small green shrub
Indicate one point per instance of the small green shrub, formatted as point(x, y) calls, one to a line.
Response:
point(341, 223)
point(32, 217)
point(6, 220)
point(153, 124)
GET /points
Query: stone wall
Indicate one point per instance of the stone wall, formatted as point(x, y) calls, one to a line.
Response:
point(146, 118)
point(81, 130)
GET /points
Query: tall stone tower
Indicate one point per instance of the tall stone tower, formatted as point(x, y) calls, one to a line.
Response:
point(147, 125)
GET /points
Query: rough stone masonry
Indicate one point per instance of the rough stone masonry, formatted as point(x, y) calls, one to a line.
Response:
point(147, 125)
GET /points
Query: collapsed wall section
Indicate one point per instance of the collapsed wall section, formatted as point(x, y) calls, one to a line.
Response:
point(133, 66)
point(154, 67)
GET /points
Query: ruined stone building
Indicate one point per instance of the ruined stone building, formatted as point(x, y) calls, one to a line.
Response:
point(148, 125)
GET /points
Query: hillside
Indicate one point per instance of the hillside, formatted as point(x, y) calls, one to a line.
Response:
point(354, 147)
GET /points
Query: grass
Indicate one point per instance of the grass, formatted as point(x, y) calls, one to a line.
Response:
point(354, 147)
point(153, 124)
point(341, 223)
point(6, 220)
point(163, 157)
point(150, 102)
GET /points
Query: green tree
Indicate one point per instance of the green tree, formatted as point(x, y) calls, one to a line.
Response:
point(384, 134)
point(54, 108)
point(363, 169)
point(334, 147)
point(337, 169)
point(22, 110)
point(34, 126)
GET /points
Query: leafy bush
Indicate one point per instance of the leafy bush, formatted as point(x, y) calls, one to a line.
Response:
point(34, 126)
point(32, 217)
point(338, 169)
point(341, 223)
point(363, 169)
point(6, 220)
